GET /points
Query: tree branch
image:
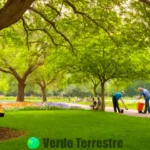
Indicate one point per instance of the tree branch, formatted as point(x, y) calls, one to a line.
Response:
point(4, 70)
point(145, 1)
point(46, 32)
point(39, 83)
point(58, 12)
point(26, 30)
point(50, 81)
point(28, 71)
point(12, 70)
point(14, 73)
point(13, 11)
point(53, 25)
point(88, 17)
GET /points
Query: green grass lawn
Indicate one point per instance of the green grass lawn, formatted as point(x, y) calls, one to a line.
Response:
point(72, 124)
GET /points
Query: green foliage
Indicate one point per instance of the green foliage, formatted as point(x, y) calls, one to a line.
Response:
point(2, 2)
point(110, 41)
point(14, 51)
point(131, 89)
point(3, 86)
point(117, 85)
point(72, 91)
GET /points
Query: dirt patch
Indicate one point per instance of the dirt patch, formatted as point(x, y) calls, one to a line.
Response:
point(7, 133)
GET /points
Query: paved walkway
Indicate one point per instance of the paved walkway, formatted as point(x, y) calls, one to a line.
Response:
point(129, 112)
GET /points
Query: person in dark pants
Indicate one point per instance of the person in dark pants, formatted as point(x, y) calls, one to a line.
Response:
point(145, 93)
point(93, 106)
point(115, 98)
point(98, 102)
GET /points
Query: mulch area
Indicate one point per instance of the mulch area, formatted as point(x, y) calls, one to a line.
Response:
point(7, 133)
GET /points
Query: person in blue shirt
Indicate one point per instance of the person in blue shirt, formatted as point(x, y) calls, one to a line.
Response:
point(145, 93)
point(115, 98)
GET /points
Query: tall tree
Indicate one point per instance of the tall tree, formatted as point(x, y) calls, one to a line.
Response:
point(17, 60)
point(47, 75)
point(100, 58)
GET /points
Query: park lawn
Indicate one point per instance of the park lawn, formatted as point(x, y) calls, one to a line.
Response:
point(72, 124)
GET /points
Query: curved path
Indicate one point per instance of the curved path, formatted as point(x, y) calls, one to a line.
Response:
point(129, 112)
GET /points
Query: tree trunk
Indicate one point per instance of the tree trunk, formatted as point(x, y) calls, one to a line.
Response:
point(43, 89)
point(20, 94)
point(12, 11)
point(102, 95)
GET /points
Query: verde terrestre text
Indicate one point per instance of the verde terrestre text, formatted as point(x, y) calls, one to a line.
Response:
point(81, 143)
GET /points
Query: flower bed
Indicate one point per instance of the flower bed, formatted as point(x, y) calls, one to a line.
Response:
point(15, 106)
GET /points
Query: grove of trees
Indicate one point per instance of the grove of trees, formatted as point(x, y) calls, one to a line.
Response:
point(65, 42)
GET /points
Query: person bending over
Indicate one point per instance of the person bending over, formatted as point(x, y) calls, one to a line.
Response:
point(115, 98)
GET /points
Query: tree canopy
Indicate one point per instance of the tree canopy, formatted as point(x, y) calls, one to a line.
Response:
point(95, 41)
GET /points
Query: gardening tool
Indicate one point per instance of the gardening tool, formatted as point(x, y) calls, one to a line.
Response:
point(125, 106)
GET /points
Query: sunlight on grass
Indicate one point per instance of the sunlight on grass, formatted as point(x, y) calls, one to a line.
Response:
point(71, 124)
